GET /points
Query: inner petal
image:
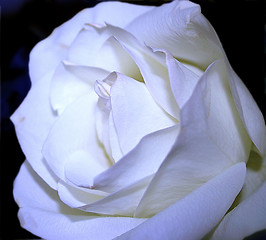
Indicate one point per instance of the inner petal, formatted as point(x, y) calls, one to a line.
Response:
point(135, 113)
point(81, 168)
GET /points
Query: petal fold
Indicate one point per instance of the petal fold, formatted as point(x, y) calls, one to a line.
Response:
point(63, 149)
point(48, 53)
point(248, 110)
point(42, 213)
point(212, 138)
point(195, 215)
point(247, 218)
point(135, 113)
point(180, 28)
point(71, 81)
point(151, 64)
point(142, 161)
point(182, 80)
point(248, 210)
point(121, 203)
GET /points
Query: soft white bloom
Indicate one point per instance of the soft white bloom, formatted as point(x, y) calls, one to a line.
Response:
point(137, 127)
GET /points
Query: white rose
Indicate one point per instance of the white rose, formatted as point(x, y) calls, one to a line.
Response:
point(136, 126)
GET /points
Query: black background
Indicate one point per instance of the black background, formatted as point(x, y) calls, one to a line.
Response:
point(239, 24)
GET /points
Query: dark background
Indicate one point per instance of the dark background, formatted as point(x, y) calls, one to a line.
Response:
point(239, 24)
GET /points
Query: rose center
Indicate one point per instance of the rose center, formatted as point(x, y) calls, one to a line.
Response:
point(102, 89)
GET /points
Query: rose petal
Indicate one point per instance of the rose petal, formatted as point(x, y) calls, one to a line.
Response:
point(75, 196)
point(141, 162)
point(71, 81)
point(42, 213)
point(113, 57)
point(248, 109)
point(85, 47)
point(114, 141)
point(33, 120)
point(249, 211)
point(247, 218)
point(195, 215)
point(63, 148)
point(122, 202)
point(153, 69)
point(256, 175)
point(151, 65)
point(103, 51)
point(182, 80)
point(180, 28)
point(212, 138)
point(135, 113)
point(117, 13)
point(48, 53)
point(82, 166)
point(105, 128)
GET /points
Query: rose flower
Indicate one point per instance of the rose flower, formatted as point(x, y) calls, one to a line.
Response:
point(137, 127)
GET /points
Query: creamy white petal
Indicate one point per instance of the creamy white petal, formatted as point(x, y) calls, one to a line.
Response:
point(114, 141)
point(195, 215)
point(212, 138)
point(117, 13)
point(48, 53)
point(33, 120)
point(82, 166)
point(256, 175)
point(155, 74)
point(113, 57)
point(73, 140)
point(42, 213)
point(75, 196)
point(96, 46)
point(135, 113)
point(104, 123)
point(85, 47)
point(248, 109)
point(122, 202)
point(151, 65)
point(71, 81)
point(142, 161)
point(180, 28)
point(248, 210)
point(247, 218)
point(182, 80)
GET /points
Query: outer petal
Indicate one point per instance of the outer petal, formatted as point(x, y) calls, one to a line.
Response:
point(212, 138)
point(95, 46)
point(72, 149)
point(196, 214)
point(49, 52)
point(246, 219)
point(33, 120)
point(180, 28)
point(42, 213)
point(249, 211)
point(256, 175)
point(248, 110)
